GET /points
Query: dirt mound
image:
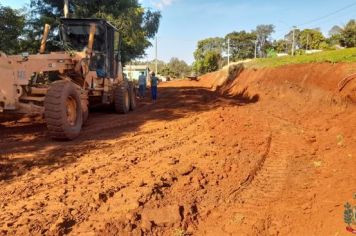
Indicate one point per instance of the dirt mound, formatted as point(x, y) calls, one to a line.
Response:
point(312, 83)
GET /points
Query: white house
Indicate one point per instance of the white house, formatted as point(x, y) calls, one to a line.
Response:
point(133, 71)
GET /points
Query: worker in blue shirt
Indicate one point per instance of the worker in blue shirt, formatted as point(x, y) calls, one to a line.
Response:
point(154, 84)
point(142, 85)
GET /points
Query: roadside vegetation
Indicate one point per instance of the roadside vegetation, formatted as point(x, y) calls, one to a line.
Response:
point(174, 69)
point(211, 53)
point(345, 55)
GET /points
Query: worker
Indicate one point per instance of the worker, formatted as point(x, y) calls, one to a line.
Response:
point(154, 84)
point(100, 66)
point(142, 85)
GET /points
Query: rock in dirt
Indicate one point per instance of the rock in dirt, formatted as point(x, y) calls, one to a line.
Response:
point(186, 170)
point(173, 161)
point(103, 197)
point(165, 216)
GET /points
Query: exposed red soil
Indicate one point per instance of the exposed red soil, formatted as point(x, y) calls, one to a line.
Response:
point(271, 152)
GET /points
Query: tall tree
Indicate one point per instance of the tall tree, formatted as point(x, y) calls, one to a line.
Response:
point(242, 44)
point(208, 55)
point(289, 38)
point(136, 25)
point(178, 68)
point(208, 45)
point(334, 36)
point(348, 34)
point(335, 30)
point(281, 46)
point(211, 61)
point(12, 23)
point(311, 39)
point(263, 33)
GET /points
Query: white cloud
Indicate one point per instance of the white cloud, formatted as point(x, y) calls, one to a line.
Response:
point(161, 4)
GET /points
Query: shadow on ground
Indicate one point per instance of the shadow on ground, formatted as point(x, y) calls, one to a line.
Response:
point(24, 144)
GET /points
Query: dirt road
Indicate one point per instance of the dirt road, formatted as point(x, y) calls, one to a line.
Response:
point(261, 162)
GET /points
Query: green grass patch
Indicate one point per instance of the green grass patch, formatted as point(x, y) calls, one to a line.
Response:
point(336, 56)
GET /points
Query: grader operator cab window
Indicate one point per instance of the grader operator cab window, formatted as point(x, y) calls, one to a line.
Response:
point(75, 35)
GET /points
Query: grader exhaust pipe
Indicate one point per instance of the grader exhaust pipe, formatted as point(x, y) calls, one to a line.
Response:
point(91, 38)
point(47, 28)
point(44, 38)
point(66, 9)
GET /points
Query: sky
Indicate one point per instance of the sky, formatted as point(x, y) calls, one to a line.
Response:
point(185, 22)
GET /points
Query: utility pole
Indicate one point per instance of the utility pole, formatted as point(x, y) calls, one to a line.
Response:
point(228, 51)
point(307, 42)
point(293, 43)
point(156, 61)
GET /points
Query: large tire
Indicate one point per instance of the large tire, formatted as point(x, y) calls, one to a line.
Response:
point(132, 91)
point(122, 98)
point(63, 111)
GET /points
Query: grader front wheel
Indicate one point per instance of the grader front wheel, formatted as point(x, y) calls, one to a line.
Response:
point(63, 111)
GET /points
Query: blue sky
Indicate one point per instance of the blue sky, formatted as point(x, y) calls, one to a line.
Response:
point(184, 22)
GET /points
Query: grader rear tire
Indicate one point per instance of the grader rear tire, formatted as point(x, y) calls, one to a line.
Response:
point(132, 91)
point(63, 111)
point(122, 98)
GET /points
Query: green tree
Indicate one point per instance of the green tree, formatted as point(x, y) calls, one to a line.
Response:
point(281, 46)
point(242, 44)
point(136, 25)
point(311, 39)
point(208, 55)
point(177, 68)
point(335, 30)
point(211, 61)
point(263, 34)
point(12, 23)
point(208, 45)
point(160, 65)
point(348, 35)
point(289, 38)
point(334, 36)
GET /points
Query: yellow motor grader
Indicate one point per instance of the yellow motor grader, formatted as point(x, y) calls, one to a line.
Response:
point(62, 85)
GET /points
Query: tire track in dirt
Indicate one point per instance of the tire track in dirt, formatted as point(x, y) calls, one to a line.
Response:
point(265, 185)
point(198, 162)
point(254, 172)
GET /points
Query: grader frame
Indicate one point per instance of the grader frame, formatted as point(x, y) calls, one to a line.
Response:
point(62, 85)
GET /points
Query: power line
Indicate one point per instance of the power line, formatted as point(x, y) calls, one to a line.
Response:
point(323, 22)
point(326, 16)
point(279, 31)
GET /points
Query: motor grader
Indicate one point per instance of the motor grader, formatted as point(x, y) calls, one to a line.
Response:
point(63, 85)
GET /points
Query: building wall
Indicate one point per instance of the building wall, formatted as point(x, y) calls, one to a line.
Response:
point(133, 74)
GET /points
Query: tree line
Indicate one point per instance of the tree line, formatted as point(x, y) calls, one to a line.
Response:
point(211, 53)
point(21, 30)
point(175, 68)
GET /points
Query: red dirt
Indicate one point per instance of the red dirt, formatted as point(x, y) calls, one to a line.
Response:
point(270, 153)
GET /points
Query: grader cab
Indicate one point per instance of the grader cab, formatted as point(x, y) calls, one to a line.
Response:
point(63, 85)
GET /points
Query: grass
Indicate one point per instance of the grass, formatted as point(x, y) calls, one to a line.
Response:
point(336, 56)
